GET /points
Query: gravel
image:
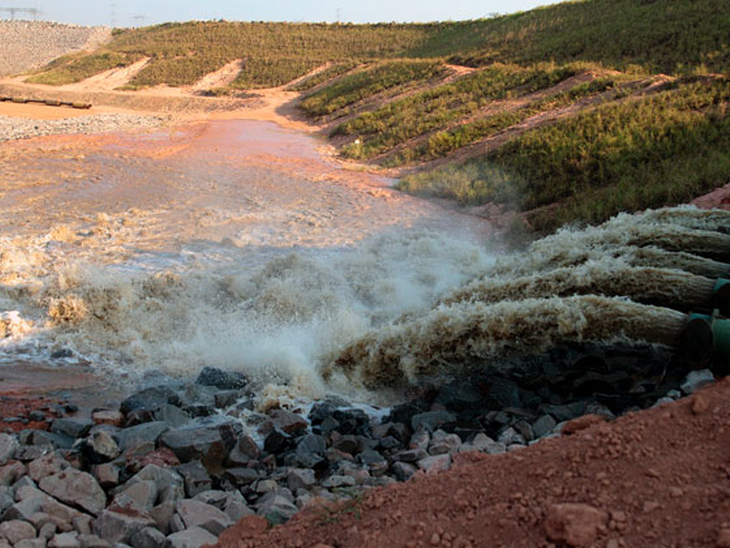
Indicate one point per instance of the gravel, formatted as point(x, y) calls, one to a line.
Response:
point(12, 128)
point(25, 45)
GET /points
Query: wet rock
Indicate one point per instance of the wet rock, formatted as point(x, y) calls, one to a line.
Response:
point(696, 380)
point(277, 510)
point(352, 421)
point(195, 537)
point(65, 540)
point(502, 392)
point(277, 441)
point(142, 433)
point(226, 398)
point(150, 397)
point(196, 478)
point(73, 427)
point(225, 380)
point(543, 426)
point(16, 530)
point(320, 412)
point(149, 537)
point(300, 478)
point(458, 396)
point(8, 446)
point(75, 488)
point(285, 420)
point(100, 447)
point(198, 514)
point(431, 420)
point(574, 524)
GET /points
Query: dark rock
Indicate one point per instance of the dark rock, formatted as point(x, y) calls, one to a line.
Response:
point(376, 463)
point(150, 397)
point(503, 392)
point(27, 453)
point(147, 432)
point(285, 420)
point(404, 471)
point(226, 398)
point(543, 426)
point(100, 447)
point(40, 437)
point(310, 451)
point(389, 443)
point(201, 439)
point(326, 426)
point(225, 380)
point(300, 478)
point(431, 420)
point(564, 412)
point(242, 476)
point(149, 537)
point(244, 451)
point(321, 411)
point(458, 396)
point(196, 478)
point(352, 421)
point(346, 444)
point(277, 441)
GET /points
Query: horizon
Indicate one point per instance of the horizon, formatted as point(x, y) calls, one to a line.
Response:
point(137, 13)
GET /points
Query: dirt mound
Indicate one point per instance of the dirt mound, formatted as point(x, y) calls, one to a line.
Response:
point(26, 45)
point(655, 478)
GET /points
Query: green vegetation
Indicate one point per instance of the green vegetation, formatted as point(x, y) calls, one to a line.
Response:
point(660, 150)
point(330, 73)
point(182, 53)
point(670, 36)
point(366, 83)
point(417, 114)
point(76, 67)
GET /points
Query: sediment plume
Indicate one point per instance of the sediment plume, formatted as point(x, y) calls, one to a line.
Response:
point(465, 337)
point(669, 288)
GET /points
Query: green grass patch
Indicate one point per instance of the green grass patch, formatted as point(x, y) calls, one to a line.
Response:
point(73, 68)
point(366, 83)
point(660, 150)
point(404, 119)
point(272, 72)
point(330, 73)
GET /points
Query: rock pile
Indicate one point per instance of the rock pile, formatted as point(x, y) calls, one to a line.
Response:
point(175, 466)
point(30, 44)
point(12, 128)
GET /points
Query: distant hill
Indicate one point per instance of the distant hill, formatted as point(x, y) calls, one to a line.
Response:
point(569, 112)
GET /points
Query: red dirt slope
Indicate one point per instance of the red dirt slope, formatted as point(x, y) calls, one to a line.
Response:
point(658, 478)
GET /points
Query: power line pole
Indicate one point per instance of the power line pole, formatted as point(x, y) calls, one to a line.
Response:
point(114, 14)
point(339, 14)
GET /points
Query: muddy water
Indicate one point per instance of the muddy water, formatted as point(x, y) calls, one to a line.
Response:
point(235, 244)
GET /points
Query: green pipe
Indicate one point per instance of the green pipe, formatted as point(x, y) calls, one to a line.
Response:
point(720, 329)
point(721, 295)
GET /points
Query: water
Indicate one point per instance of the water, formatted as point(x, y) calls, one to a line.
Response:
point(235, 245)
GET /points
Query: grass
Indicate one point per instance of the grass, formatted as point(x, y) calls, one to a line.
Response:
point(76, 67)
point(660, 150)
point(670, 36)
point(366, 83)
point(330, 73)
point(404, 119)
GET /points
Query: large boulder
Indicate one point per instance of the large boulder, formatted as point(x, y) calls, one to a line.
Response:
point(76, 488)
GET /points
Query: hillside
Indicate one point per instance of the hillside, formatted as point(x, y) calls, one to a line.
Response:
point(570, 112)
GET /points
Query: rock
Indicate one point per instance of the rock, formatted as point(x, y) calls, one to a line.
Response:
point(8, 446)
point(443, 443)
point(237, 510)
point(92, 541)
point(47, 465)
point(16, 530)
point(31, 543)
point(509, 436)
point(404, 471)
point(73, 428)
point(564, 412)
point(195, 477)
point(226, 398)
point(310, 450)
point(195, 537)
point(143, 493)
point(435, 464)
point(266, 486)
point(336, 481)
point(107, 416)
point(459, 396)
point(27, 453)
point(100, 447)
point(210, 518)
point(543, 426)
point(574, 524)
point(149, 537)
point(82, 524)
point(376, 463)
point(163, 514)
point(169, 414)
point(10, 473)
point(150, 397)
point(300, 478)
point(242, 476)
point(285, 420)
point(244, 451)
point(148, 432)
point(121, 521)
point(696, 380)
point(215, 498)
point(6, 499)
point(65, 540)
point(40, 437)
point(277, 510)
point(431, 420)
point(225, 380)
point(201, 439)
point(347, 444)
point(47, 531)
point(76, 488)
point(107, 475)
point(581, 423)
point(420, 440)
point(277, 441)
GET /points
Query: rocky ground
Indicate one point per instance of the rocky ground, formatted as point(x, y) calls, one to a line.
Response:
point(26, 45)
point(13, 128)
point(176, 465)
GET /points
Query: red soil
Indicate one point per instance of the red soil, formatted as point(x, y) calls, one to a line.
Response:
point(657, 478)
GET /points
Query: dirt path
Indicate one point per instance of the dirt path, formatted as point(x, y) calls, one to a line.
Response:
point(658, 478)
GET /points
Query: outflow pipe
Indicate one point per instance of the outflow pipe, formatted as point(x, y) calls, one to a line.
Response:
point(705, 334)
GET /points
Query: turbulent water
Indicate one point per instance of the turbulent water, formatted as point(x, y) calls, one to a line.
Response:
point(234, 245)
